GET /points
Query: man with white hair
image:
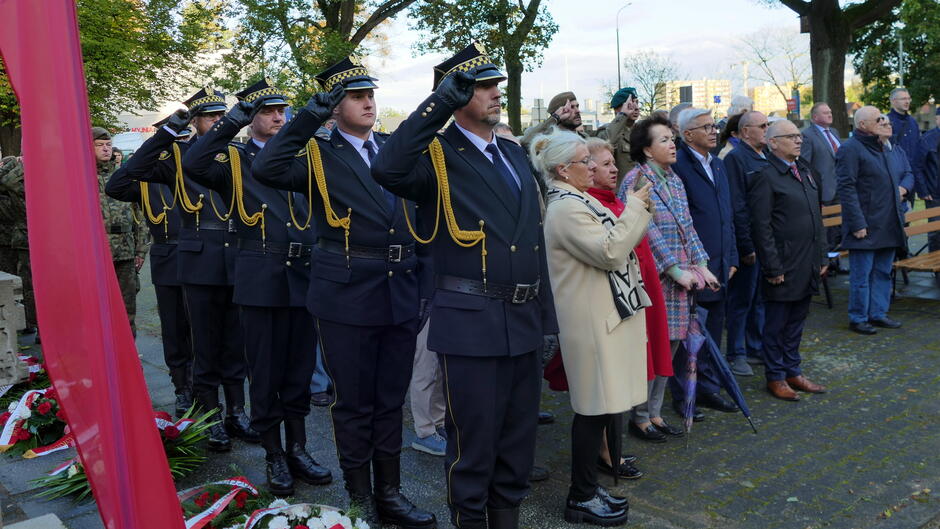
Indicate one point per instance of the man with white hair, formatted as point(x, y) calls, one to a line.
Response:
point(791, 246)
point(706, 186)
point(871, 187)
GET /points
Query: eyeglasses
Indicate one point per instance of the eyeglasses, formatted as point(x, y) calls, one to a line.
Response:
point(881, 119)
point(791, 137)
point(586, 161)
point(709, 128)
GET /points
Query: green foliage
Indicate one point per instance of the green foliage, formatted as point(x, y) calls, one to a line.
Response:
point(876, 59)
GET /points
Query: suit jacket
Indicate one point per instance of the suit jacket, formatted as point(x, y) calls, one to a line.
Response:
point(905, 133)
point(741, 165)
point(926, 165)
point(818, 155)
point(466, 324)
point(362, 291)
point(207, 246)
point(869, 175)
point(262, 278)
point(163, 262)
point(712, 215)
point(789, 234)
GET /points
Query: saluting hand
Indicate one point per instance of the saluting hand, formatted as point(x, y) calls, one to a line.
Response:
point(321, 105)
point(457, 90)
point(179, 120)
point(241, 113)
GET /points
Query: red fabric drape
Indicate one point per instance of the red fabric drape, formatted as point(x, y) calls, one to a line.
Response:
point(87, 343)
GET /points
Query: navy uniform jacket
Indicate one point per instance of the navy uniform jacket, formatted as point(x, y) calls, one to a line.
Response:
point(206, 256)
point(262, 278)
point(163, 265)
point(712, 215)
point(467, 324)
point(742, 165)
point(366, 291)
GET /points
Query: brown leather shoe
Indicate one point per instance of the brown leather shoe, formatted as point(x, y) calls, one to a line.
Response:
point(781, 390)
point(802, 383)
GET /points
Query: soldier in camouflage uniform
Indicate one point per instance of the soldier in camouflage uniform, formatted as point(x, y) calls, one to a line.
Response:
point(126, 235)
point(14, 240)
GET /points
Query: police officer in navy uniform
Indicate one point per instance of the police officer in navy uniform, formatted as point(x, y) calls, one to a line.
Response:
point(271, 279)
point(364, 285)
point(206, 259)
point(163, 219)
point(493, 303)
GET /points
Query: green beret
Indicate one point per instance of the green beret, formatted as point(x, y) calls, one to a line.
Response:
point(559, 101)
point(100, 133)
point(622, 96)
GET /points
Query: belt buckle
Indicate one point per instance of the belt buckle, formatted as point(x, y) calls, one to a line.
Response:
point(294, 249)
point(394, 253)
point(521, 294)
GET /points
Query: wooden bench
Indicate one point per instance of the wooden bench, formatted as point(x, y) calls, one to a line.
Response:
point(831, 218)
point(918, 222)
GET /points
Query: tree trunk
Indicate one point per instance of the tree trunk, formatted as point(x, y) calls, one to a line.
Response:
point(829, 40)
point(10, 140)
point(514, 90)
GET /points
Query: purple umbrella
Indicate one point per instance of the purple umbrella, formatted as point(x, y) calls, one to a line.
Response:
point(693, 344)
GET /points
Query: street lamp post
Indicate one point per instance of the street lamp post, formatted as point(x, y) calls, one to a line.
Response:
point(628, 4)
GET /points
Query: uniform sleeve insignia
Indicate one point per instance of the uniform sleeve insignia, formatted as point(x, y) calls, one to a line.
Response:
point(221, 157)
point(302, 152)
point(164, 155)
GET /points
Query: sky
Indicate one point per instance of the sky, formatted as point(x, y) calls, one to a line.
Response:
point(700, 36)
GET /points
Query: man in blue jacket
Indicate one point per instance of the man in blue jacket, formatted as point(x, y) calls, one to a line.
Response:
point(873, 180)
point(927, 174)
point(706, 185)
point(906, 133)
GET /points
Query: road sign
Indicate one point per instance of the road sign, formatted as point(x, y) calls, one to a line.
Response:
point(791, 105)
point(717, 99)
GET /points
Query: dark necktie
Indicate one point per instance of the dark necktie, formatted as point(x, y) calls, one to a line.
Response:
point(503, 170)
point(795, 172)
point(832, 142)
point(370, 152)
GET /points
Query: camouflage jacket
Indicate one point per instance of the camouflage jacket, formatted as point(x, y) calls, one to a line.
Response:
point(12, 204)
point(122, 221)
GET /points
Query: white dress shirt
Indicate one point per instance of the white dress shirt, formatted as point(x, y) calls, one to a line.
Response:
point(358, 144)
point(706, 162)
point(481, 144)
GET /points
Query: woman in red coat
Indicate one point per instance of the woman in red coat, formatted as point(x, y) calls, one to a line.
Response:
point(658, 352)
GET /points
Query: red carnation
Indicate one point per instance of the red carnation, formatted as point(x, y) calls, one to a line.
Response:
point(4, 417)
point(44, 407)
point(301, 527)
point(60, 415)
point(171, 432)
point(23, 435)
point(51, 394)
point(32, 377)
point(215, 497)
point(240, 499)
point(202, 499)
point(163, 415)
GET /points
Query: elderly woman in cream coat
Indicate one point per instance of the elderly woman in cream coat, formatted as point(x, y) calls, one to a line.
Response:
point(599, 300)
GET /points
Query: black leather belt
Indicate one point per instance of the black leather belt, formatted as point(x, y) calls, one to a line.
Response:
point(115, 229)
point(291, 249)
point(208, 222)
point(393, 254)
point(160, 239)
point(517, 294)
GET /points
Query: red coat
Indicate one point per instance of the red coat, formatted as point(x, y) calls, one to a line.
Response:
point(658, 352)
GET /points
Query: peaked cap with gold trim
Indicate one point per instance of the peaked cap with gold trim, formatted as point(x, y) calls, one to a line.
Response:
point(473, 56)
point(350, 72)
point(205, 101)
point(262, 93)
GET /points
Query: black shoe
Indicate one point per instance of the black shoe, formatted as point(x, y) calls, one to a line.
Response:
point(669, 429)
point(626, 470)
point(594, 511)
point(502, 518)
point(863, 328)
point(546, 417)
point(299, 462)
point(390, 504)
point(358, 482)
point(276, 469)
point(238, 425)
point(650, 433)
point(184, 401)
point(629, 458)
point(321, 399)
point(697, 415)
point(886, 323)
point(715, 402)
point(219, 441)
point(617, 502)
point(538, 473)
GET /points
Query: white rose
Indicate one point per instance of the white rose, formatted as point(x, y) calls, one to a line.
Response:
point(316, 523)
point(26, 414)
point(300, 512)
point(278, 503)
point(12, 406)
point(279, 522)
point(361, 524)
point(330, 518)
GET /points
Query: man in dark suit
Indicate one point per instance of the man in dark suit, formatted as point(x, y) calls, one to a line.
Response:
point(206, 259)
point(927, 166)
point(162, 216)
point(706, 185)
point(492, 303)
point(791, 246)
point(271, 277)
point(364, 286)
point(820, 145)
point(745, 305)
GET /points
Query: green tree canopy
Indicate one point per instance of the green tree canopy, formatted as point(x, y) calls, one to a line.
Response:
point(876, 56)
point(515, 33)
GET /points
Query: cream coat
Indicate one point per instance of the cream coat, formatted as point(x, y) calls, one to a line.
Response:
point(604, 356)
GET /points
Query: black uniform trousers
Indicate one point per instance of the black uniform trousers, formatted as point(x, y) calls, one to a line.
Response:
point(281, 345)
point(371, 368)
point(492, 415)
point(174, 328)
point(217, 339)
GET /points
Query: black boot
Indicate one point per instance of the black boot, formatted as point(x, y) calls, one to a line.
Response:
point(280, 481)
point(392, 506)
point(237, 423)
point(218, 439)
point(359, 486)
point(301, 465)
point(183, 388)
point(502, 518)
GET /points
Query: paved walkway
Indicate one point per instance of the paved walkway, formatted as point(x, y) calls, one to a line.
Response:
point(864, 455)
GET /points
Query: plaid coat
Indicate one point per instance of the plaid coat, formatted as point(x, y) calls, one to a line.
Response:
point(672, 239)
